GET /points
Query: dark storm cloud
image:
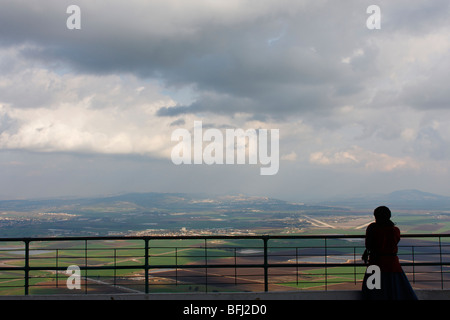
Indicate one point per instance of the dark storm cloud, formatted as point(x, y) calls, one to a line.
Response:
point(413, 17)
point(278, 59)
point(429, 141)
point(283, 59)
point(430, 90)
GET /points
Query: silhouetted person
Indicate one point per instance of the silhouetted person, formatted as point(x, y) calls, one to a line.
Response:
point(382, 237)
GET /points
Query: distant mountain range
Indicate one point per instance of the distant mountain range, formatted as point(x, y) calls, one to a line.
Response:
point(152, 201)
point(403, 199)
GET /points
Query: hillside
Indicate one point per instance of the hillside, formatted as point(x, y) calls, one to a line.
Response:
point(136, 213)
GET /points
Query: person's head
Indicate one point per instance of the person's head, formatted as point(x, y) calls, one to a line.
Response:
point(382, 214)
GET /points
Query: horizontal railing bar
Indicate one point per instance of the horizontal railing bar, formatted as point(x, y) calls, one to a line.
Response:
point(237, 237)
point(217, 266)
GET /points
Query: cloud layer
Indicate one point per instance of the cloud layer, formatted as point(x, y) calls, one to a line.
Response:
point(344, 97)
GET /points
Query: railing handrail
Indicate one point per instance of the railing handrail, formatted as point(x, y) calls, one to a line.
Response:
point(146, 265)
point(181, 237)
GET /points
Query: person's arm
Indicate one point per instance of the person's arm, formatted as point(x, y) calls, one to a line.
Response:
point(368, 243)
point(397, 234)
point(369, 238)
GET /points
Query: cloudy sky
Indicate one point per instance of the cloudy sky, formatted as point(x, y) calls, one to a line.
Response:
point(91, 111)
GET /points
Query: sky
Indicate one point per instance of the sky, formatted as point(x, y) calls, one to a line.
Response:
point(91, 111)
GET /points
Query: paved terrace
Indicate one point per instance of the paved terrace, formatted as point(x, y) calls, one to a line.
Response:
point(247, 296)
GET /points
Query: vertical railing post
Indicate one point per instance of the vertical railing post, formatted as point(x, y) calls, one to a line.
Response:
point(57, 267)
point(27, 265)
point(146, 240)
point(206, 265)
point(86, 266)
point(176, 266)
point(326, 270)
point(296, 267)
point(440, 262)
point(266, 265)
point(354, 265)
point(235, 267)
point(115, 266)
point(413, 264)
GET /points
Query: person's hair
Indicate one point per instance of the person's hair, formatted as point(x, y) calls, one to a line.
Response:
point(383, 215)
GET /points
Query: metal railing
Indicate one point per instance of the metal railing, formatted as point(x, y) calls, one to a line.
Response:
point(209, 263)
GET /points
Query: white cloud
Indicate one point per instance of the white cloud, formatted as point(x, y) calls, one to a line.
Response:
point(358, 157)
point(78, 128)
point(42, 110)
point(79, 113)
point(355, 54)
point(290, 156)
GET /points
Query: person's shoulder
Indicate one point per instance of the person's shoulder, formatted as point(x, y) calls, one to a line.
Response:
point(371, 226)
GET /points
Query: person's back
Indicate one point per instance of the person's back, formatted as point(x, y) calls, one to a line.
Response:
point(381, 242)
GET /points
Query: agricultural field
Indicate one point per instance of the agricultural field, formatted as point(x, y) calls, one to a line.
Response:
point(191, 265)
